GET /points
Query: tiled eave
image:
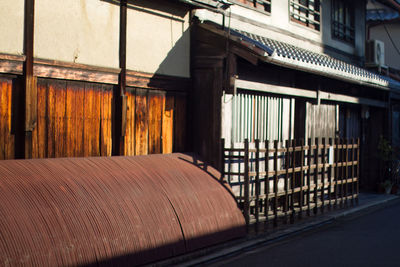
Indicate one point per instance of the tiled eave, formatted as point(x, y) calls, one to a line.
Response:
point(283, 54)
point(293, 57)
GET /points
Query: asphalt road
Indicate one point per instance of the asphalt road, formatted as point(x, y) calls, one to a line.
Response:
point(368, 239)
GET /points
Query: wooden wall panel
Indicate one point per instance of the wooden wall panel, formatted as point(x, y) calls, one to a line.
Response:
point(106, 118)
point(95, 140)
point(141, 122)
point(59, 119)
point(91, 127)
point(180, 124)
point(79, 113)
point(168, 124)
point(155, 121)
point(130, 122)
point(71, 139)
point(40, 132)
point(51, 121)
point(320, 121)
point(75, 120)
point(6, 137)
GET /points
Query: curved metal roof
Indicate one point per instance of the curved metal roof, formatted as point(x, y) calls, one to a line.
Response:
point(111, 211)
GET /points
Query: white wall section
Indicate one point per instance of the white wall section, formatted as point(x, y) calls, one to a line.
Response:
point(158, 41)
point(80, 31)
point(12, 26)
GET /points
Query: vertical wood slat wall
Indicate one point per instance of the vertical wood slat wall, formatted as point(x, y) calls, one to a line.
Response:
point(7, 138)
point(273, 181)
point(156, 122)
point(74, 119)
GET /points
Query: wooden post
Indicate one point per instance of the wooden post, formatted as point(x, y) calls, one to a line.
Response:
point(358, 170)
point(301, 196)
point(266, 186)
point(309, 178)
point(30, 82)
point(343, 175)
point(120, 105)
point(246, 183)
point(257, 180)
point(316, 156)
point(286, 185)
point(222, 159)
point(330, 177)
point(276, 183)
point(352, 171)
point(346, 171)
point(323, 151)
point(293, 182)
point(336, 178)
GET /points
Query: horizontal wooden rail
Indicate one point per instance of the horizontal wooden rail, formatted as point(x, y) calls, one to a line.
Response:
point(297, 149)
point(292, 178)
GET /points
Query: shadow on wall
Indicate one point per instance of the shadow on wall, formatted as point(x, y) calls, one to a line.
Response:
point(177, 61)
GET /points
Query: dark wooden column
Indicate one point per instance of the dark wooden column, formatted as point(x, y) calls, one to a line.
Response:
point(206, 103)
point(30, 82)
point(210, 77)
point(119, 116)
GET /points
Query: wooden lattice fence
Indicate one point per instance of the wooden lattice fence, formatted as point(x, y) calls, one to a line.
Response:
point(273, 180)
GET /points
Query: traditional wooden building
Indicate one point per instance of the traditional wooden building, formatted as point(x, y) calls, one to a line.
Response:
point(278, 70)
point(93, 78)
point(383, 34)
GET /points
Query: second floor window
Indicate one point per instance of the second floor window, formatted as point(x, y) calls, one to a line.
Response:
point(263, 5)
point(306, 12)
point(343, 20)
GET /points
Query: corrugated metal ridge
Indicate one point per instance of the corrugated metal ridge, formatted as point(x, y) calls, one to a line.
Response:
point(111, 211)
point(290, 56)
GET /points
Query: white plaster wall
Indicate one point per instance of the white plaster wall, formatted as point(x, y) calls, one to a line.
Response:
point(80, 31)
point(158, 41)
point(392, 57)
point(226, 118)
point(11, 26)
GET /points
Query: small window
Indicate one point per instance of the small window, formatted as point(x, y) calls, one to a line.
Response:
point(343, 20)
point(306, 12)
point(262, 5)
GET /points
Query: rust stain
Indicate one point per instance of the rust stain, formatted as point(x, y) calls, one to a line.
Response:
point(119, 211)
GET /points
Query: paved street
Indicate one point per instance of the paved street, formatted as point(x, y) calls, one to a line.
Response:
point(370, 239)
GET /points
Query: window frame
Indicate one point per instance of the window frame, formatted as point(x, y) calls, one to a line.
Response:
point(257, 5)
point(306, 20)
point(340, 30)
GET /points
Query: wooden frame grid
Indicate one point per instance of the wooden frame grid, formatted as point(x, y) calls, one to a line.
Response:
point(283, 180)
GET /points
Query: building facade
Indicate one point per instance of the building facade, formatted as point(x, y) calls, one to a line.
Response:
point(383, 29)
point(282, 70)
point(93, 78)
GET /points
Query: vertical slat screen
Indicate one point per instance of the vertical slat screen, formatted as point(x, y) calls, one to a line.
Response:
point(260, 117)
point(273, 184)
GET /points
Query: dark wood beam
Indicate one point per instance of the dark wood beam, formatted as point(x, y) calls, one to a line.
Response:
point(30, 81)
point(119, 93)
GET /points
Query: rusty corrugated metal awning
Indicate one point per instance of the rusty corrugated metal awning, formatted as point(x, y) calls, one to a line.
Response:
point(112, 211)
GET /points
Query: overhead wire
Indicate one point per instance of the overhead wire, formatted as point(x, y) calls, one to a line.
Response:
point(386, 30)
